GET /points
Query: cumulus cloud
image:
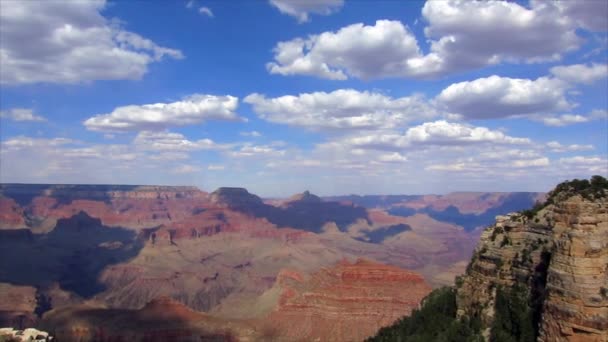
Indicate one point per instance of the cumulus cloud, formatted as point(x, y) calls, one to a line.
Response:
point(250, 150)
point(301, 9)
point(394, 157)
point(590, 15)
point(555, 146)
point(63, 160)
point(168, 141)
point(381, 50)
point(496, 97)
point(563, 120)
point(544, 161)
point(20, 142)
point(21, 114)
point(70, 42)
point(193, 109)
point(591, 164)
point(341, 109)
point(439, 133)
point(463, 35)
point(580, 73)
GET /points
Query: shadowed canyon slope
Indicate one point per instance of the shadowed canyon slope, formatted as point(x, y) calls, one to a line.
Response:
point(225, 253)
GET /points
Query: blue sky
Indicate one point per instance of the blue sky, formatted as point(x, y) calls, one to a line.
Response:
point(281, 96)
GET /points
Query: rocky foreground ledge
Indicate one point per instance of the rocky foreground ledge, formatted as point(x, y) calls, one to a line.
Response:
point(30, 334)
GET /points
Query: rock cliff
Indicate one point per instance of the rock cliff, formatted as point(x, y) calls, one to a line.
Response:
point(554, 258)
point(347, 302)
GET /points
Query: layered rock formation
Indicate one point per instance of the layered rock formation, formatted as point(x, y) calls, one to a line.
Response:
point(576, 308)
point(470, 210)
point(556, 257)
point(347, 302)
point(114, 249)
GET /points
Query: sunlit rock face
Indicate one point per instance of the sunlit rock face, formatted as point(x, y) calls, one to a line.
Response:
point(346, 302)
point(559, 255)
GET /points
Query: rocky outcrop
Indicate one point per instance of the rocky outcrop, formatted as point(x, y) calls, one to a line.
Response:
point(38, 207)
point(236, 198)
point(347, 302)
point(558, 255)
point(27, 335)
point(576, 308)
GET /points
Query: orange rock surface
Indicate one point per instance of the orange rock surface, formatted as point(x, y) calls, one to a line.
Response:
point(347, 302)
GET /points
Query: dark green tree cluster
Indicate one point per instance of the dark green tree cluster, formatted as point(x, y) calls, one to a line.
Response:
point(513, 320)
point(435, 321)
point(596, 187)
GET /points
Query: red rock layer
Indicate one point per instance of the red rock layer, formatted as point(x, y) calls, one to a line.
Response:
point(11, 214)
point(347, 302)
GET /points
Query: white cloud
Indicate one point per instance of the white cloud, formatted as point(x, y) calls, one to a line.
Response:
point(169, 156)
point(591, 164)
point(531, 162)
point(555, 146)
point(168, 141)
point(472, 34)
point(190, 4)
point(584, 160)
point(341, 109)
point(440, 133)
point(21, 114)
point(580, 73)
point(358, 50)
point(253, 134)
point(215, 167)
point(590, 15)
point(447, 167)
point(206, 11)
point(496, 97)
point(250, 150)
point(70, 42)
point(563, 120)
point(394, 157)
point(501, 32)
point(301, 9)
point(62, 160)
point(185, 168)
point(191, 110)
point(443, 132)
point(20, 142)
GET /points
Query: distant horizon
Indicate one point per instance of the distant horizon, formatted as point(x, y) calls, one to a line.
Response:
point(271, 196)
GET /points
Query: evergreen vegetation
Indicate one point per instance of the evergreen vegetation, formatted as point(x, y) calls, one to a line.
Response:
point(513, 320)
point(518, 309)
point(435, 321)
point(596, 187)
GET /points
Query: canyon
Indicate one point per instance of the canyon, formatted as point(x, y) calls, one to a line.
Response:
point(232, 265)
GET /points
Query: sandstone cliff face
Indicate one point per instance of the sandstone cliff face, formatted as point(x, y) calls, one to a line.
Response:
point(576, 308)
point(347, 302)
point(560, 255)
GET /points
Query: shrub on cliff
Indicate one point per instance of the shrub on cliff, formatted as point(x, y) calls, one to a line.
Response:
point(596, 187)
point(513, 320)
point(434, 321)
